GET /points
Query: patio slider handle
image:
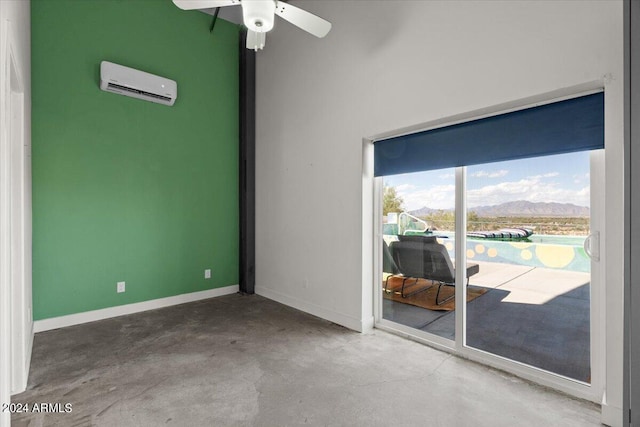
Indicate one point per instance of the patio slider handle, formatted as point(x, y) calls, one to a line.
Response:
point(592, 246)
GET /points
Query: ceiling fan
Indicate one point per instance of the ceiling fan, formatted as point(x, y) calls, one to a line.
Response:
point(258, 17)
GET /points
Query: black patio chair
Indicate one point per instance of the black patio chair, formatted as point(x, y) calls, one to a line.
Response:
point(422, 257)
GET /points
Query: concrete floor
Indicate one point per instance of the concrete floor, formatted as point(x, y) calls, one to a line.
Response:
point(248, 361)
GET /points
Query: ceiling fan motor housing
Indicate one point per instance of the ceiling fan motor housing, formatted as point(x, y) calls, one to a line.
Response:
point(258, 15)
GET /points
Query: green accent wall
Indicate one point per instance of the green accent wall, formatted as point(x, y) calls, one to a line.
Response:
point(125, 189)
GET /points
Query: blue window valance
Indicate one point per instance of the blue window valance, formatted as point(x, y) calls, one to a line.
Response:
point(571, 125)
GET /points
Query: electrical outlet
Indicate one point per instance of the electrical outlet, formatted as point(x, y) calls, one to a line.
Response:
point(121, 287)
point(207, 274)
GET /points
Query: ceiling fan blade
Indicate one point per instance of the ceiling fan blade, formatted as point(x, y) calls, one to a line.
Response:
point(255, 40)
point(203, 4)
point(301, 18)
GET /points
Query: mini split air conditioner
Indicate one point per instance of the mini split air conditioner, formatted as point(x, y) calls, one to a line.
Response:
point(137, 84)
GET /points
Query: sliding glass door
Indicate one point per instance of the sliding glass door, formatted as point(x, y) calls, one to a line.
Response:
point(418, 240)
point(527, 224)
point(494, 259)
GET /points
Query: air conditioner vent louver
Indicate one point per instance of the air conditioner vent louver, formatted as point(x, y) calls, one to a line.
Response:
point(127, 81)
point(138, 91)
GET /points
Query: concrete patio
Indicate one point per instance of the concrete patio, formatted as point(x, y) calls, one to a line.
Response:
point(537, 316)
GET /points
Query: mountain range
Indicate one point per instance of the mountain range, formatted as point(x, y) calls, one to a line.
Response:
point(519, 208)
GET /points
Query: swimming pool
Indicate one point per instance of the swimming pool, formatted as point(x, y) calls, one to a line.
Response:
point(534, 238)
point(557, 240)
point(547, 251)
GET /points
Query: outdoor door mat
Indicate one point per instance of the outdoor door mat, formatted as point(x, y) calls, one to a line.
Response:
point(426, 297)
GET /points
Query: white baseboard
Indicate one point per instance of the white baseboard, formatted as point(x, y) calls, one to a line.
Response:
point(316, 310)
point(612, 416)
point(121, 310)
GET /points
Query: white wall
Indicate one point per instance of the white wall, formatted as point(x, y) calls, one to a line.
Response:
point(16, 335)
point(391, 64)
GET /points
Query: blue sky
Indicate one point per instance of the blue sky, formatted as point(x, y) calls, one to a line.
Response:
point(562, 178)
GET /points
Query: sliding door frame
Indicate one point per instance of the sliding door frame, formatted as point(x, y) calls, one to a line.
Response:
point(592, 391)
